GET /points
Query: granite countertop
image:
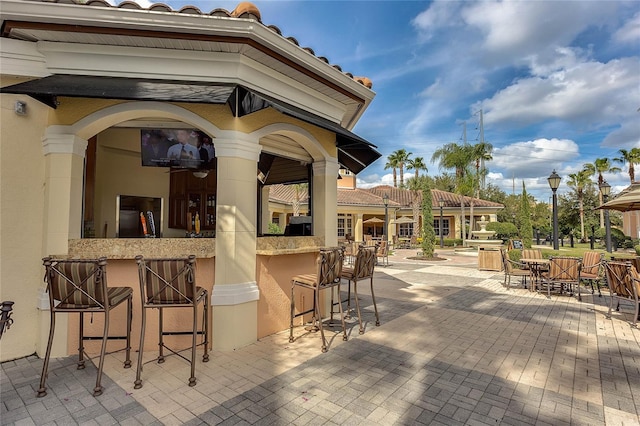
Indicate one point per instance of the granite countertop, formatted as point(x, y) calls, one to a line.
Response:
point(129, 248)
point(273, 246)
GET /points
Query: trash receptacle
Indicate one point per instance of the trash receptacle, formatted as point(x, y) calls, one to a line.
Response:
point(489, 258)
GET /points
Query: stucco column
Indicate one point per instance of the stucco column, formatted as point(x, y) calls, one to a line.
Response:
point(357, 227)
point(264, 210)
point(282, 220)
point(235, 291)
point(325, 201)
point(64, 174)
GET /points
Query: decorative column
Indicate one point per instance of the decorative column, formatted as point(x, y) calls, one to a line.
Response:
point(235, 291)
point(358, 234)
point(325, 200)
point(265, 213)
point(64, 174)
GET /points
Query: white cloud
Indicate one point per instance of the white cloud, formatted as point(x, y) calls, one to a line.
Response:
point(440, 14)
point(517, 29)
point(590, 92)
point(527, 159)
point(630, 31)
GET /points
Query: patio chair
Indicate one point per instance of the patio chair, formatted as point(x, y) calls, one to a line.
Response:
point(171, 283)
point(624, 284)
point(592, 269)
point(564, 271)
point(362, 270)
point(513, 269)
point(383, 252)
point(81, 286)
point(329, 269)
point(413, 241)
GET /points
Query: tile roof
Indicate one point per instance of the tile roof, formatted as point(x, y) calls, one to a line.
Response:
point(244, 10)
point(373, 197)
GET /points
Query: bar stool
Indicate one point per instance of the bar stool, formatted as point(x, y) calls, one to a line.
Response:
point(81, 286)
point(362, 269)
point(171, 283)
point(329, 269)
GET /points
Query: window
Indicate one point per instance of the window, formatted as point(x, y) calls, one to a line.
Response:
point(406, 230)
point(344, 225)
point(445, 226)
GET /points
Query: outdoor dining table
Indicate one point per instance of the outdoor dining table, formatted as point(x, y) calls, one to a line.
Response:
point(536, 268)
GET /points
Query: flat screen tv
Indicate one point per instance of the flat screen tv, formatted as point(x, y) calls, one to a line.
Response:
point(182, 148)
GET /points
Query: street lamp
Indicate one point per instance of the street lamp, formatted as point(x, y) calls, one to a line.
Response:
point(441, 204)
point(605, 189)
point(385, 201)
point(554, 183)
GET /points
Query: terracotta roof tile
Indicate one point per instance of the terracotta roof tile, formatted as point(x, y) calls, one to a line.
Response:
point(244, 10)
point(373, 197)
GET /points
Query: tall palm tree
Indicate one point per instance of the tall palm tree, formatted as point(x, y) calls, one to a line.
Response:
point(482, 152)
point(598, 167)
point(416, 164)
point(393, 163)
point(403, 157)
point(578, 182)
point(458, 158)
point(631, 157)
point(416, 186)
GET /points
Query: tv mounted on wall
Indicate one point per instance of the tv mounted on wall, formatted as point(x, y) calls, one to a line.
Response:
point(183, 148)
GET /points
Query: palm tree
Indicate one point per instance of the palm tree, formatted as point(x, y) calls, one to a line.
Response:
point(416, 164)
point(457, 157)
point(600, 166)
point(578, 182)
point(299, 191)
point(630, 157)
point(403, 157)
point(393, 163)
point(416, 186)
point(482, 152)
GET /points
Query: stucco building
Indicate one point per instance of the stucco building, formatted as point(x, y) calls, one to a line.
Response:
point(85, 89)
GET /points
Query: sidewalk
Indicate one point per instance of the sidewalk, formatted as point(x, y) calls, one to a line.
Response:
point(454, 347)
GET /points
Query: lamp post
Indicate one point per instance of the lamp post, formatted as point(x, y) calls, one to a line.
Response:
point(441, 204)
point(605, 189)
point(385, 201)
point(554, 183)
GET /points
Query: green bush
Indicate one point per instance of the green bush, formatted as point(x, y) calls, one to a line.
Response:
point(504, 230)
point(449, 242)
point(274, 229)
point(637, 248)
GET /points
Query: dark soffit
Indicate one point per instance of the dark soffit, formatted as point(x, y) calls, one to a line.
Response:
point(354, 152)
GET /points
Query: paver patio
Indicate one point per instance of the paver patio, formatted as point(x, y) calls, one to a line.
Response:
point(454, 347)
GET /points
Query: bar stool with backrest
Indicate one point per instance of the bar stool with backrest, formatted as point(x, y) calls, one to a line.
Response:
point(171, 283)
point(329, 268)
point(362, 269)
point(76, 285)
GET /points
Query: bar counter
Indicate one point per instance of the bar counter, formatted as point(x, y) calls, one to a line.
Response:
point(129, 248)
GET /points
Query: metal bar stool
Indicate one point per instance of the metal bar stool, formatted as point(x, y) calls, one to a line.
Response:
point(329, 269)
point(171, 283)
point(81, 286)
point(362, 269)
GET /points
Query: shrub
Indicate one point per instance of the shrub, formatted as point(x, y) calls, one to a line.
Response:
point(637, 248)
point(503, 230)
point(274, 229)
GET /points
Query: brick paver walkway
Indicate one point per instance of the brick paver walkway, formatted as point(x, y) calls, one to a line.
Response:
point(454, 347)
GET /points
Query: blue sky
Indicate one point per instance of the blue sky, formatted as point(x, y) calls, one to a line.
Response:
point(558, 81)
